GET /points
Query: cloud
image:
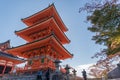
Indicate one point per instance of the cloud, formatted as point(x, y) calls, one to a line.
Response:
point(81, 67)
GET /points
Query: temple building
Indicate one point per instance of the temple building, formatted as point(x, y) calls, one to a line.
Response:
point(45, 36)
point(4, 45)
point(7, 61)
point(115, 73)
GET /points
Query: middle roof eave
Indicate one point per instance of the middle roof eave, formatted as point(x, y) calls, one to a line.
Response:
point(36, 43)
point(47, 23)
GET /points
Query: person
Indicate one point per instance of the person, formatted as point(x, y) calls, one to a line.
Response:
point(84, 74)
point(48, 74)
point(39, 75)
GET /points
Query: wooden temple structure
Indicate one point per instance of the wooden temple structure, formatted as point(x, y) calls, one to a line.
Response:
point(7, 61)
point(45, 39)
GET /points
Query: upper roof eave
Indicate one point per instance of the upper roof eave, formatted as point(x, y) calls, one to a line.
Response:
point(25, 20)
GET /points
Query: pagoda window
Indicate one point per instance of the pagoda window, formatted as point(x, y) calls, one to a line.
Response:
point(29, 55)
point(39, 34)
point(30, 62)
point(50, 53)
point(42, 60)
point(35, 52)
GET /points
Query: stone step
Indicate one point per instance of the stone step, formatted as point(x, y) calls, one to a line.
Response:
point(27, 77)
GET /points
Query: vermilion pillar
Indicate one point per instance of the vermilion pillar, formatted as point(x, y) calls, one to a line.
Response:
point(4, 68)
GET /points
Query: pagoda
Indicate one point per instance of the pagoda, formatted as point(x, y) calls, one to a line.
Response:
point(45, 39)
point(7, 61)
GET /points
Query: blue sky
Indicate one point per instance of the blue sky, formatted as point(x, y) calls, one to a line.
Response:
point(12, 11)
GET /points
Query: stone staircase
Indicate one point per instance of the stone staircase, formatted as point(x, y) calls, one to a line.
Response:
point(19, 77)
point(33, 76)
point(53, 76)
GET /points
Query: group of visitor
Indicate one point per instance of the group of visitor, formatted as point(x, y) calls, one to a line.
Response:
point(40, 75)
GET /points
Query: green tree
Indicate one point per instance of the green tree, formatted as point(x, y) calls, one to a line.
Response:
point(104, 16)
point(105, 20)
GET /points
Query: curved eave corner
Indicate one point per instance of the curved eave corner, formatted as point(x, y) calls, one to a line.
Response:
point(24, 20)
point(51, 7)
point(70, 56)
point(65, 28)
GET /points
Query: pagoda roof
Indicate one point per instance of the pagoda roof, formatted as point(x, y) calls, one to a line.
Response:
point(8, 41)
point(44, 14)
point(46, 23)
point(52, 40)
point(114, 74)
point(10, 57)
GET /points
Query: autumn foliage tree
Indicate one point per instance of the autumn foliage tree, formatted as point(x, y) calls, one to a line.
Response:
point(103, 66)
point(104, 16)
point(105, 23)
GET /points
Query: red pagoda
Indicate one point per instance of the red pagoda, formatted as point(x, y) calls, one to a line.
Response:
point(45, 38)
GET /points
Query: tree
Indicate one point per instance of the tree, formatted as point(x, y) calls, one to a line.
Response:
point(105, 20)
point(103, 66)
point(104, 16)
